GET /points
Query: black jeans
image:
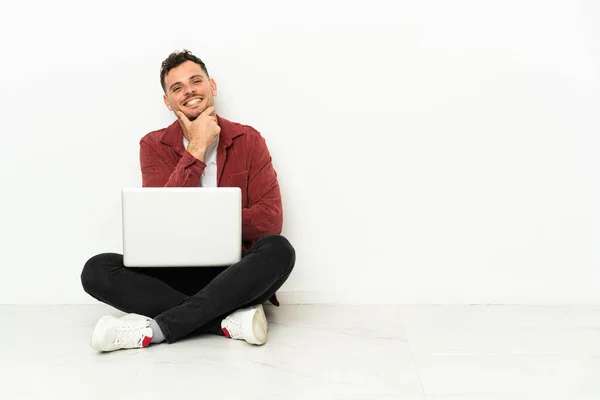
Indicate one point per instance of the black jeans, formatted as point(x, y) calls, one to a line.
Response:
point(186, 300)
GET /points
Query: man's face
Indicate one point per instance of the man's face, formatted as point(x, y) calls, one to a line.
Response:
point(189, 90)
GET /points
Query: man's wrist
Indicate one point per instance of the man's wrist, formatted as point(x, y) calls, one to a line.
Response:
point(197, 150)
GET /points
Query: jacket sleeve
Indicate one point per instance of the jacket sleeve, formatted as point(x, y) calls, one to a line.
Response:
point(156, 172)
point(264, 216)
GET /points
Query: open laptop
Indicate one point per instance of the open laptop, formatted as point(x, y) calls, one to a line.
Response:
point(181, 227)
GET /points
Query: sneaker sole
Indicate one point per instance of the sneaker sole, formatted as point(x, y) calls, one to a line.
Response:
point(97, 336)
point(260, 327)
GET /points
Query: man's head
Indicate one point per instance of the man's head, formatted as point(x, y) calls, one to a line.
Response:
point(187, 86)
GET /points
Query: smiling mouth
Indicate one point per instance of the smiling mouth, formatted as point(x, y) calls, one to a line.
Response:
point(192, 102)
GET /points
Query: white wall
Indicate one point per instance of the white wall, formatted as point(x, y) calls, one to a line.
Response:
point(428, 152)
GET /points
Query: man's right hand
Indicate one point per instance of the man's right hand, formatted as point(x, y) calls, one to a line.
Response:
point(201, 132)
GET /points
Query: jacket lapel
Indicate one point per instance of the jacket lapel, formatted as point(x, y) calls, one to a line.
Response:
point(221, 157)
point(228, 132)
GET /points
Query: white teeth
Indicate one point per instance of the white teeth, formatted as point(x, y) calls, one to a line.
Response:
point(192, 102)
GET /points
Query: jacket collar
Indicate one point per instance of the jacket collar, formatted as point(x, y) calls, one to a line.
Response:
point(173, 135)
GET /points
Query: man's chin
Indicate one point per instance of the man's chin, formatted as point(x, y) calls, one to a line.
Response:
point(193, 116)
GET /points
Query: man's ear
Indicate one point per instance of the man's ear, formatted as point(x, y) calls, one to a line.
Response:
point(213, 86)
point(167, 103)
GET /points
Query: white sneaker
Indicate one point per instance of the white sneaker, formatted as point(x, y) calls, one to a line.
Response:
point(128, 332)
point(249, 324)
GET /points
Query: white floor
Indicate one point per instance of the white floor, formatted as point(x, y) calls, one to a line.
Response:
point(316, 352)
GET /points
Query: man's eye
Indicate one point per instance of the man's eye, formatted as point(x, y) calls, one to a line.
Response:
point(197, 82)
point(177, 89)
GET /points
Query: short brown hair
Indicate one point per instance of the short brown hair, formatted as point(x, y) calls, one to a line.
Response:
point(175, 59)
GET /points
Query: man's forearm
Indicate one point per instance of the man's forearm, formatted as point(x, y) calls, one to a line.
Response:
point(155, 172)
point(262, 220)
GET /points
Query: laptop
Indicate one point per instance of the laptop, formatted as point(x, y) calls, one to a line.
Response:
point(181, 227)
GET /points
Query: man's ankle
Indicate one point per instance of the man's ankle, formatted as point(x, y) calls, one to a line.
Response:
point(157, 333)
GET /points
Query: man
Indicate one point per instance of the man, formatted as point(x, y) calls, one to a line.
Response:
point(199, 149)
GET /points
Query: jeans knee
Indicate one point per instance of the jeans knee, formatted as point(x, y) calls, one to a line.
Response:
point(283, 251)
point(93, 275)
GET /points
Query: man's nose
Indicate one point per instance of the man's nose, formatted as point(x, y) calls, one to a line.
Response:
point(189, 90)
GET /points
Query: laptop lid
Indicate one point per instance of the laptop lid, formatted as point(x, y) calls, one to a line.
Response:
point(181, 227)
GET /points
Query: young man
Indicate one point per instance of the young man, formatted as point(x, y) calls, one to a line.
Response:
point(199, 149)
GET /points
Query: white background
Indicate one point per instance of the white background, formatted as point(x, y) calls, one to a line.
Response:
point(428, 152)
